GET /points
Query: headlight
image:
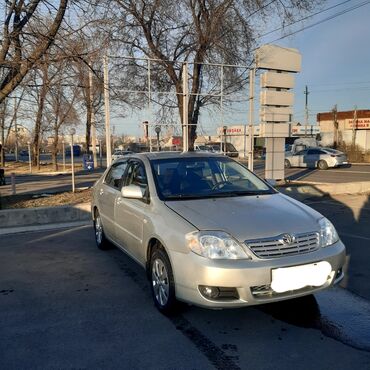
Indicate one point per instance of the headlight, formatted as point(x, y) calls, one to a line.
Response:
point(215, 245)
point(328, 234)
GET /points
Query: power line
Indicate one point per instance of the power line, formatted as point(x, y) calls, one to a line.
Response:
point(323, 20)
point(304, 18)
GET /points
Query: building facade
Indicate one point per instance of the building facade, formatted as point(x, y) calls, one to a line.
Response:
point(348, 128)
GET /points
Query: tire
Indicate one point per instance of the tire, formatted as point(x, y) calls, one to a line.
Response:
point(322, 165)
point(162, 282)
point(287, 164)
point(101, 241)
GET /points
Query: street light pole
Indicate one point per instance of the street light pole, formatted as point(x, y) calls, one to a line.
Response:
point(72, 132)
point(107, 112)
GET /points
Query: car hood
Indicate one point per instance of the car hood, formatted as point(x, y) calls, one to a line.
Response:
point(248, 217)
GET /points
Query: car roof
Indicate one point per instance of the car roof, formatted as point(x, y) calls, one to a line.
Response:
point(172, 155)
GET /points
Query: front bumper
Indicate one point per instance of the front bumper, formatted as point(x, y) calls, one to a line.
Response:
point(251, 278)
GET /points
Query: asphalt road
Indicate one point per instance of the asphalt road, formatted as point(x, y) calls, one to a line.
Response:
point(36, 184)
point(65, 304)
point(352, 173)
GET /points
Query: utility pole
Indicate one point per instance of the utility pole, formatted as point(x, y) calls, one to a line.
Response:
point(2, 139)
point(252, 75)
point(107, 112)
point(335, 123)
point(15, 130)
point(149, 108)
point(354, 127)
point(306, 112)
point(93, 126)
point(185, 116)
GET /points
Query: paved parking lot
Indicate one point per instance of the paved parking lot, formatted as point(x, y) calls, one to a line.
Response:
point(65, 304)
point(35, 184)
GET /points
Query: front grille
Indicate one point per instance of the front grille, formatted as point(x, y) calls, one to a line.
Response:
point(276, 247)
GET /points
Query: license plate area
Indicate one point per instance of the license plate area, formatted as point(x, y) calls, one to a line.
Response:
point(297, 277)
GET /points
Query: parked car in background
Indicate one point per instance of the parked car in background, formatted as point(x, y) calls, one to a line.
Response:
point(321, 158)
point(76, 150)
point(118, 153)
point(201, 148)
point(229, 149)
point(210, 232)
point(23, 153)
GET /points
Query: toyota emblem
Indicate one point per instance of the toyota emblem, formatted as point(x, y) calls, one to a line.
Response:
point(287, 239)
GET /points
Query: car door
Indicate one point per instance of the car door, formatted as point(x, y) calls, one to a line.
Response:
point(130, 213)
point(302, 158)
point(108, 191)
point(313, 156)
point(294, 159)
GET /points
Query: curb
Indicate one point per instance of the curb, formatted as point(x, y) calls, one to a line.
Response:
point(43, 218)
point(303, 190)
point(25, 229)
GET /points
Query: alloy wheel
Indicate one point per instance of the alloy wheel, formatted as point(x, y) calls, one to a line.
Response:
point(160, 282)
point(98, 230)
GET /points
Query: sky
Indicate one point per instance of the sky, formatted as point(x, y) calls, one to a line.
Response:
point(335, 67)
point(335, 62)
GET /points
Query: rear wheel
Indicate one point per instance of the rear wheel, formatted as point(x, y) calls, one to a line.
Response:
point(287, 164)
point(162, 282)
point(101, 241)
point(322, 165)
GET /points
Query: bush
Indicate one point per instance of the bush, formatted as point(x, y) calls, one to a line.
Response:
point(355, 153)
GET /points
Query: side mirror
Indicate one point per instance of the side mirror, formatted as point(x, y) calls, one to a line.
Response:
point(132, 192)
point(271, 182)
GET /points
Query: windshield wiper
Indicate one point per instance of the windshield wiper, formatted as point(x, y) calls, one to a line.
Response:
point(183, 196)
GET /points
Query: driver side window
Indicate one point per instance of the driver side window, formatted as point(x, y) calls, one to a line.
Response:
point(136, 175)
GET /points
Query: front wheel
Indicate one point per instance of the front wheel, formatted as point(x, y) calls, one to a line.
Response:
point(101, 241)
point(322, 165)
point(287, 164)
point(162, 282)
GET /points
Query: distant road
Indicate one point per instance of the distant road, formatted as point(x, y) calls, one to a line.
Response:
point(38, 183)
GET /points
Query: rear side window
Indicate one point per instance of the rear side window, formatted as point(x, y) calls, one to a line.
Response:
point(115, 174)
point(315, 151)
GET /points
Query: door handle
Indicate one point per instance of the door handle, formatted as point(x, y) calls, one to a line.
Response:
point(119, 201)
point(101, 192)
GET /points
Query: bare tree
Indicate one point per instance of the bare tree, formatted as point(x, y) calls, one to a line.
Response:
point(22, 43)
point(61, 112)
point(197, 32)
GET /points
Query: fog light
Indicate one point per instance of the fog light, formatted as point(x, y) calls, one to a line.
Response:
point(209, 291)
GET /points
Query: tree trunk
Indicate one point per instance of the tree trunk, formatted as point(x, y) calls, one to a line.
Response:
point(2, 126)
point(39, 115)
point(54, 148)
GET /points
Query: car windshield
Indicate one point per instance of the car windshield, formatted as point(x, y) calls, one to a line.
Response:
point(205, 177)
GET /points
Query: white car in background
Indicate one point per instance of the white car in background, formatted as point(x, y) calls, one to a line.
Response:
point(118, 153)
point(321, 158)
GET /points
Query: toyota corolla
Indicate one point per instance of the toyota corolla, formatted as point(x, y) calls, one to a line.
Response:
point(209, 232)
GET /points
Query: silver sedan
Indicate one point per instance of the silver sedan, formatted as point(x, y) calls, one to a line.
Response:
point(211, 233)
point(321, 158)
